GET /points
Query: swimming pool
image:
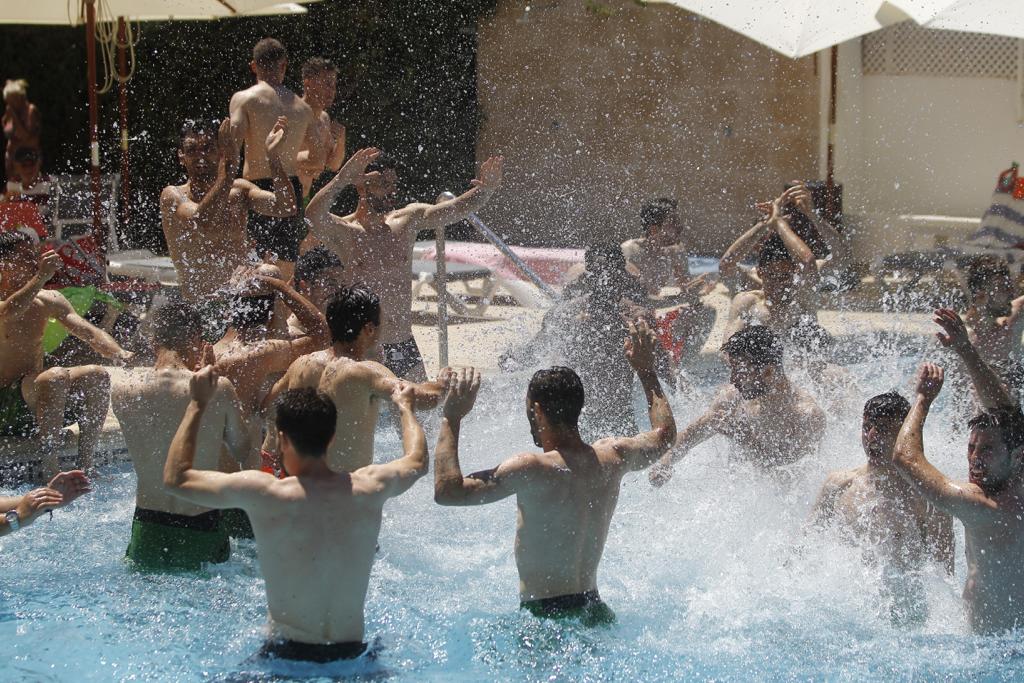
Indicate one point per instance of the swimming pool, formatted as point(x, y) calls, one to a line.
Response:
point(702, 574)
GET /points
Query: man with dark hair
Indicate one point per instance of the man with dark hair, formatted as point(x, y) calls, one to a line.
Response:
point(376, 242)
point(991, 504)
point(27, 390)
point(169, 533)
point(254, 113)
point(354, 383)
point(316, 530)
point(566, 495)
point(319, 274)
point(323, 149)
point(994, 317)
point(773, 422)
point(204, 220)
point(878, 509)
point(786, 266)
point(661, 257)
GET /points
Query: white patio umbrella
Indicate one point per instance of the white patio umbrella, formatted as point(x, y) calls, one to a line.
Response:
point(997, 17)
point(88, 12)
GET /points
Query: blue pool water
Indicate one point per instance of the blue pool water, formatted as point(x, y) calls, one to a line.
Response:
point(703, 576)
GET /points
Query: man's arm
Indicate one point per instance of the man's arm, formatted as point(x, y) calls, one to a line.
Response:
point(992, 393)
point(236, 436)
point(437, 216)
point(207, 212)
point(17, 304)
point(939, 537)
point(398, 476)
point(824, 509)
point(694, 434)
point(337, 153)
point(59, 308)
point(29, 507)
point(282, 201)
point(841, 256)
point(963, 501)
point(426, 395)
point(238, 118)
point(318, 214)
point(309, 316)
point(642, 451)
point(745, 244)
point(204, 487)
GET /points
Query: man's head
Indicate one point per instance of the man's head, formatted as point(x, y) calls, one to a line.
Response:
point(660, 220)
point(353, 316)
point(554, 401)
point(269, 61)
point(755, 360)
point(305, 422)
point(27, 163)
point(18, 259)
point(198, 151)
point(880, 425)
point(318, 275)
point(319, 82)
point(990, 286)
point(994, 448)
point(777, 270)
point(16, 92)
point(379, 185)
point(251, 312)
point(178, 327)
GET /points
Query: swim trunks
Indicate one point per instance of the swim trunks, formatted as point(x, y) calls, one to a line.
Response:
point(402, 357)
point(279, 236)
point(271, 464)
point(587, 607)
point(162, 541)
point(236, 523)
point(16, 418)
point(320, 653)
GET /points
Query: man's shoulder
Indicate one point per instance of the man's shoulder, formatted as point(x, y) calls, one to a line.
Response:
point(841, 479)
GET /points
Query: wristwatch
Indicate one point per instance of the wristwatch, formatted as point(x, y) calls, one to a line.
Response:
point(11, 517)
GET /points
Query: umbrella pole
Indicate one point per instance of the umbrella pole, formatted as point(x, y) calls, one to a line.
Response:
point(830, 187)
point(122, 72)
point(99, 234)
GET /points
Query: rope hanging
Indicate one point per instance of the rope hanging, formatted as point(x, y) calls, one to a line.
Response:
point(106, 39)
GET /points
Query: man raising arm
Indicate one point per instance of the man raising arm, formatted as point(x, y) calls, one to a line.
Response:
point(20, 511)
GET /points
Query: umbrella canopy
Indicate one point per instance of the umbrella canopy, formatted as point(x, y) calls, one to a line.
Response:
point(72, 12)
point(998, 17)
point(797, 28)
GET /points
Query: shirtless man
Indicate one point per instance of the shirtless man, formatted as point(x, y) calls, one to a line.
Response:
point(660, 258)
point(355, 384)
point(566, 495)
point(29, 390)
point(204, 220)
point(169, 533)
point(994, 317)
point(991, 504)
point(376, 242)
point(324, 147)
point(254, 113)
point(875, 506)
point(20, 511)
point(319, 274)
point(773, 422)
point(786, 266)
point(21, 121)
point(316, 530)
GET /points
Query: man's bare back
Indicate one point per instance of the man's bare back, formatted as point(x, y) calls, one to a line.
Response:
point(254, 111)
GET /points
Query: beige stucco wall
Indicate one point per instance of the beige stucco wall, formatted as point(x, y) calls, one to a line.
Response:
point(597, 111)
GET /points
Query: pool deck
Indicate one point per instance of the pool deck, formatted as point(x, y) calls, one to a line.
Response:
point(479, 343)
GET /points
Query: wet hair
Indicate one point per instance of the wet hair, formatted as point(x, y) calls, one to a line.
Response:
point(349, 311)
point(176, 326)
point(809, 336)
point(606, 276)
point(890, 406)
point(198, 128)
point(559, 391)
point(315, 66)
point(11, 240)
point(382, 163)
point(983, 271)
point(268, 53)
point(314, 262)
point(773, 251)
point(307, 418)
point(247, 312)
point(654, 213)
point(1008, 420)
point(755, 344)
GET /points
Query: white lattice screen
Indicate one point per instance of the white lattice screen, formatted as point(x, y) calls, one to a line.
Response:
point(908, 49)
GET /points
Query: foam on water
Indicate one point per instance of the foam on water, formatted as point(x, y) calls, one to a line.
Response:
point(702, 574)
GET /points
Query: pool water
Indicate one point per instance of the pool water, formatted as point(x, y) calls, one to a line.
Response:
point(711, 577)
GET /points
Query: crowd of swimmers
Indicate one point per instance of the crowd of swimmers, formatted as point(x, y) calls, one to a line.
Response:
point(292, 329)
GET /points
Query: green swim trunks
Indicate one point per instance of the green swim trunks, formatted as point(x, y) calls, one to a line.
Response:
point(236, 523)
point(16, 418)
point(162, 541)
point(587, 607)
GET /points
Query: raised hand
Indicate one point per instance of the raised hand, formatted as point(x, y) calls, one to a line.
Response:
point(203, 385)
point(640, 347)
point(70, 485)
point(489, 177)
point(929, 381)
point(227, 144)
point(37, 502)
point(276, 135)
point(404, 395)
point(207, 356)
point(49, 264)
point(800, 197)
point(659, 473)
point(356, 165)
point(462, 393)
point(954, 331)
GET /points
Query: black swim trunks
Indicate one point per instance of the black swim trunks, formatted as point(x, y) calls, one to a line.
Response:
point(279, 236)
point(587, 607)
point(402, 357)
point(320, 653)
